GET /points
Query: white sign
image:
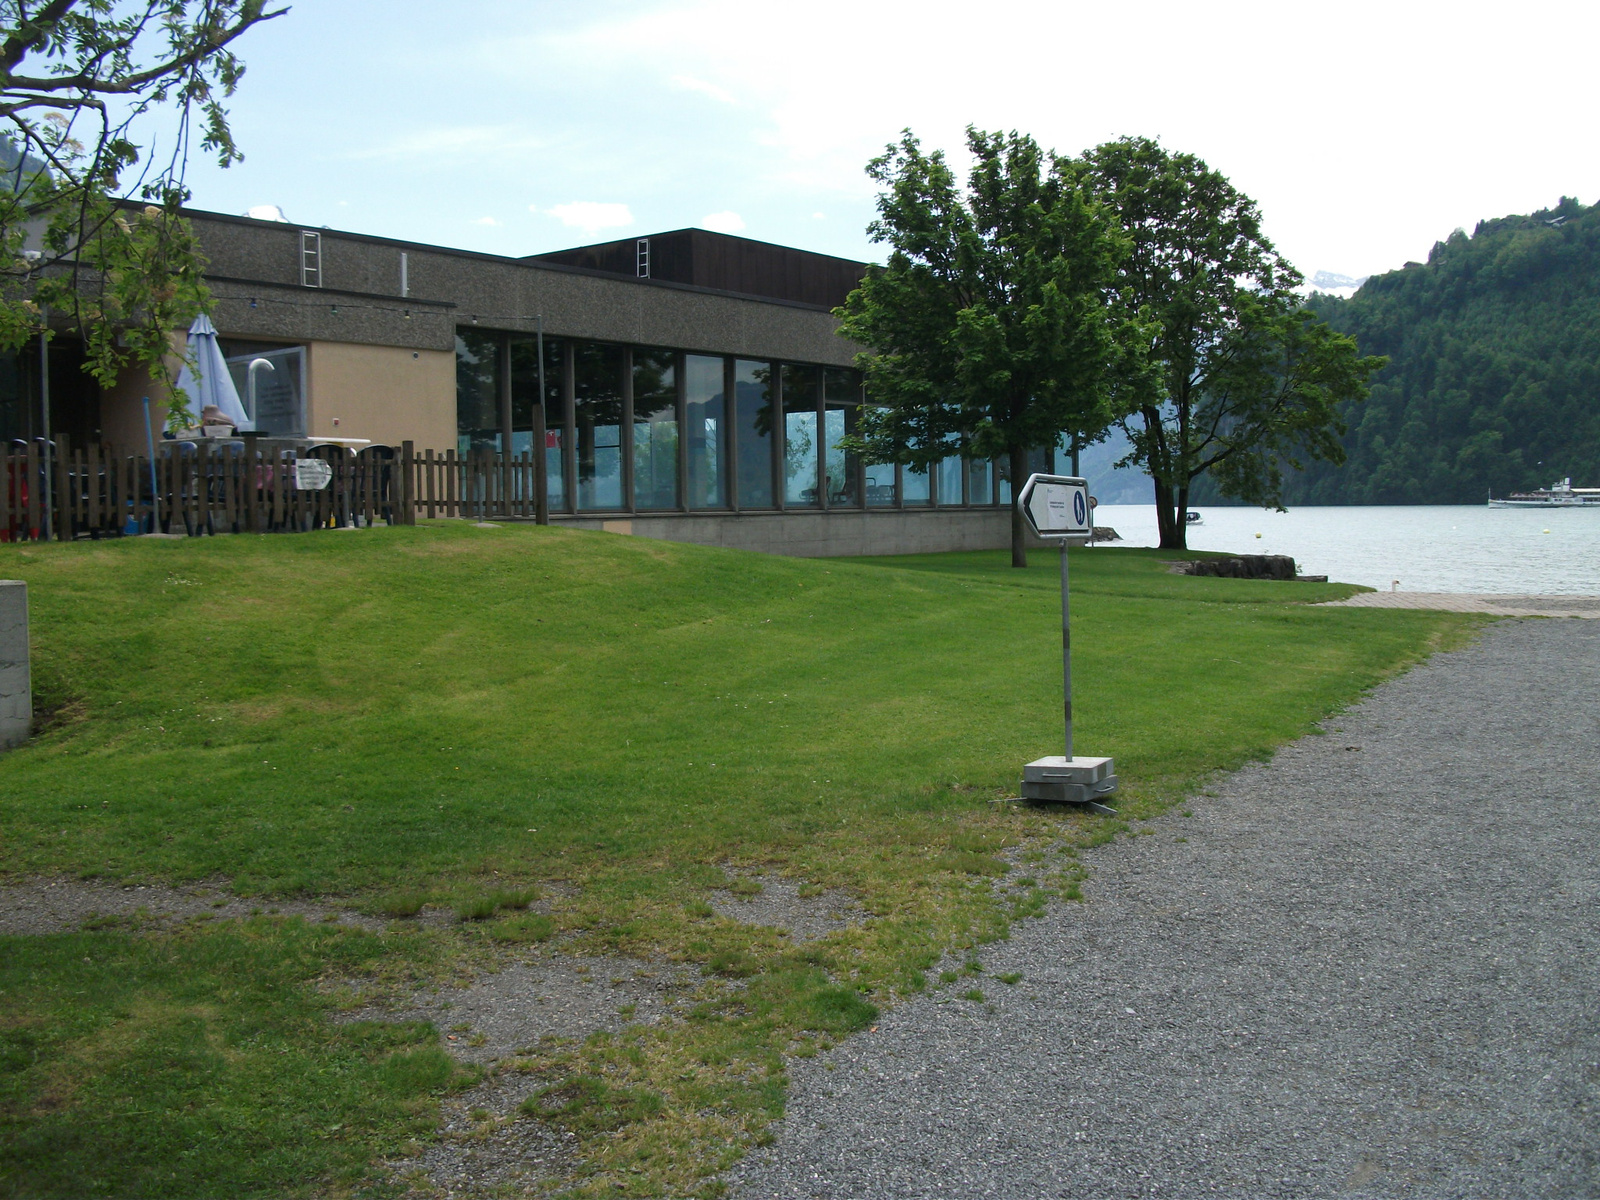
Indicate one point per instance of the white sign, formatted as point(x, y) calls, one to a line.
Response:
point(312, 474)
point(1057, 506)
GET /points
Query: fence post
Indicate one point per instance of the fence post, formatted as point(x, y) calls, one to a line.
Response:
point(407, 506)
point(62, 520)
point(16, 689)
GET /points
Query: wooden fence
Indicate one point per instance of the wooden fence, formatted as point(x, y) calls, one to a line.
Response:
point(239, 486)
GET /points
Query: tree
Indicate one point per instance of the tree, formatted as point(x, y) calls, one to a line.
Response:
point(989, 329)
point(79, 82)
point(1244, 381)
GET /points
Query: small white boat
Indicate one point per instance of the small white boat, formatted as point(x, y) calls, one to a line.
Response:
point(1190, 517)
point(1560, 494)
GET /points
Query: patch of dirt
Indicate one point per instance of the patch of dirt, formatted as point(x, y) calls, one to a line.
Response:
point(495, 1155)
point(780, 905)
point(57, 905)
point(550, 995)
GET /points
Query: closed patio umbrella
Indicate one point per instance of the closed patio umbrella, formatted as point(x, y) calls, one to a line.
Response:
point(205, 379)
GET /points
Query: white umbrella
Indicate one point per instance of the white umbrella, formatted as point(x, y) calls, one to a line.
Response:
point(205, 379)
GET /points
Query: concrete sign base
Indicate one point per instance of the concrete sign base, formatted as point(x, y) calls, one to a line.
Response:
point(1083, 780)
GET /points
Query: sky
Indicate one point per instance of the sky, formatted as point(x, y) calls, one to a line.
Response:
point(1365, 132)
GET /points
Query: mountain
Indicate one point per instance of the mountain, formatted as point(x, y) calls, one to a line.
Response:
point(1493, 382)
point(1331, 284)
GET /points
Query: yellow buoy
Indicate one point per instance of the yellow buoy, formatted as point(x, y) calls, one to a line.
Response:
point(1547, 531)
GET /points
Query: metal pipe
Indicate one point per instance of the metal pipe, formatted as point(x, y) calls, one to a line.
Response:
point(44, 415)
point(1066, 652)
point(541, 435)
point(150, 447)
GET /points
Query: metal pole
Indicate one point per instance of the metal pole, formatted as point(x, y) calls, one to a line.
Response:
point(1066, 652)
point(150, 446)
point(541, 435)
point(44, 415)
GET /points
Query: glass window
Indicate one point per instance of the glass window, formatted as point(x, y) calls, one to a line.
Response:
point(477, 390)
point(704, 431)
point(752, 391)
point(842, 407)
point(597, 408)
point(980, 481)
point(948, 474)
point(524, 395)
point(800, 388)
point(914, 483)
point(655, 429)
point(880, 485)
point(276, 400)
point(1040, 462)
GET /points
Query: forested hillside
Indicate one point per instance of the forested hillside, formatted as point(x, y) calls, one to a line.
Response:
point(1494, 375)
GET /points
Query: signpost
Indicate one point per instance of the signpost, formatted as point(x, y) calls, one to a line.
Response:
point(1059, 507)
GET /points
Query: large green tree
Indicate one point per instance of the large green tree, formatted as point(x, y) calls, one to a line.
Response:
point(1246, 382)
point(989, 326)
point(98, 102)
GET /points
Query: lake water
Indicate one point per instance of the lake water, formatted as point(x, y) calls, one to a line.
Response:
point(1428, 548)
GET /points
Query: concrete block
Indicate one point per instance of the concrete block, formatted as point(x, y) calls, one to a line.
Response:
point(16, 687)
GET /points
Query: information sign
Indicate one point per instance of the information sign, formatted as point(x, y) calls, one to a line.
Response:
point(312, 474)
point(1057, 506)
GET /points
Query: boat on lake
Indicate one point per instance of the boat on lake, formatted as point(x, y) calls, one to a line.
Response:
point(1190, 517)
point(1560, 494)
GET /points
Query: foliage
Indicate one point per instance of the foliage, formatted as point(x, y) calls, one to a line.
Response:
point(633, 720)
point(1246, 382)
point(80, 80)
point(989, 328)
point(1494, 352)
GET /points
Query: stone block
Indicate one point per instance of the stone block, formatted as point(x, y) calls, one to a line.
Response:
point(16, 689)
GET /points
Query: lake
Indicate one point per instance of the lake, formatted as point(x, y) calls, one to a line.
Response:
point(1427, 548)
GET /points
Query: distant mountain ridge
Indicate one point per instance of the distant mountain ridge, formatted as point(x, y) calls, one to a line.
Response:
point(1494, 375)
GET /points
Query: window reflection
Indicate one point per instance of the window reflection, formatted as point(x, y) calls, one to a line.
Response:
point(704, 430)
point(655, 429)
point(477, 390)
point(948, 476)
point(597, 409)
point(915, 485)
point(842, 408)
point(752, 392)
point(980, 481)
point(801, 387)
point(525, 394)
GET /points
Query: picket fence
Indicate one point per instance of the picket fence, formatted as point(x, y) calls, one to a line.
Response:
point(203, 487)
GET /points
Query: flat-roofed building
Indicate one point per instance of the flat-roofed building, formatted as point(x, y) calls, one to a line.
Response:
point(694, 384)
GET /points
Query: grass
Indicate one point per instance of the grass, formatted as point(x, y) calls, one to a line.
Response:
point(446, 715)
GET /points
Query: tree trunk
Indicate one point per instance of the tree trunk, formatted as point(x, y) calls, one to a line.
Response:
point(1019, 529)
point(1169, 523)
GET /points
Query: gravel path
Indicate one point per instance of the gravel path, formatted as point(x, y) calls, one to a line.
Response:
point(1369, 971)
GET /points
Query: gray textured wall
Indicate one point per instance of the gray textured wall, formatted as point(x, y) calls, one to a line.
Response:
point(16, 691)
point(260, 260)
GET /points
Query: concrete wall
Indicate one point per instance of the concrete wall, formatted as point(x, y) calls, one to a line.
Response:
point(383, 393)
point(16, 691)
point(811, 535)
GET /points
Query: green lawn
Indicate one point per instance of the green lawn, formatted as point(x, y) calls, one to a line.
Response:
point(445, 710)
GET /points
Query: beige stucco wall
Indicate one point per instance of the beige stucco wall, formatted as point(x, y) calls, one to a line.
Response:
point(383, 393)
point(122, 421)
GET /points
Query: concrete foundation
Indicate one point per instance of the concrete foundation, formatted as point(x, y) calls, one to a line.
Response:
point(16, 689)
point(817, 534)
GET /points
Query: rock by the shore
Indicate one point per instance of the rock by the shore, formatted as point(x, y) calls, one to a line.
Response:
point(1244, 566)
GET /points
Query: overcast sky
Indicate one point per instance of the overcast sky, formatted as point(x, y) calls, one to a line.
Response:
point(1365, 131)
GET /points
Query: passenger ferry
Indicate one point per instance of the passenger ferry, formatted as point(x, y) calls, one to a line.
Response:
point(1560, 494)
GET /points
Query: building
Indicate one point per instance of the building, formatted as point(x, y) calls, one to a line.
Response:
point(694, 386)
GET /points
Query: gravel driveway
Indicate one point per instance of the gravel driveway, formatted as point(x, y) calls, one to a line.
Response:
point(1370, 970)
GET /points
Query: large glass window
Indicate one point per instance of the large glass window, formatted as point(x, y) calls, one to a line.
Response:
point(980, 481)
point(915, 486)
point(524, 396)
point(880, 485)
point(597, 409)
point(705, 431)
point(655, 429)
point(1040, 462)
point(842, 407)
point(274, 399)
point(801, 387)
point(477, 390)
point(752, 390)
point(948, 474)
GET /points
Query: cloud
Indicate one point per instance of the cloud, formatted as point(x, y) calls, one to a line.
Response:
point(722, 222)
point(690, 84)
point(591, 216)
point(452, 141)
point(486, 221)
